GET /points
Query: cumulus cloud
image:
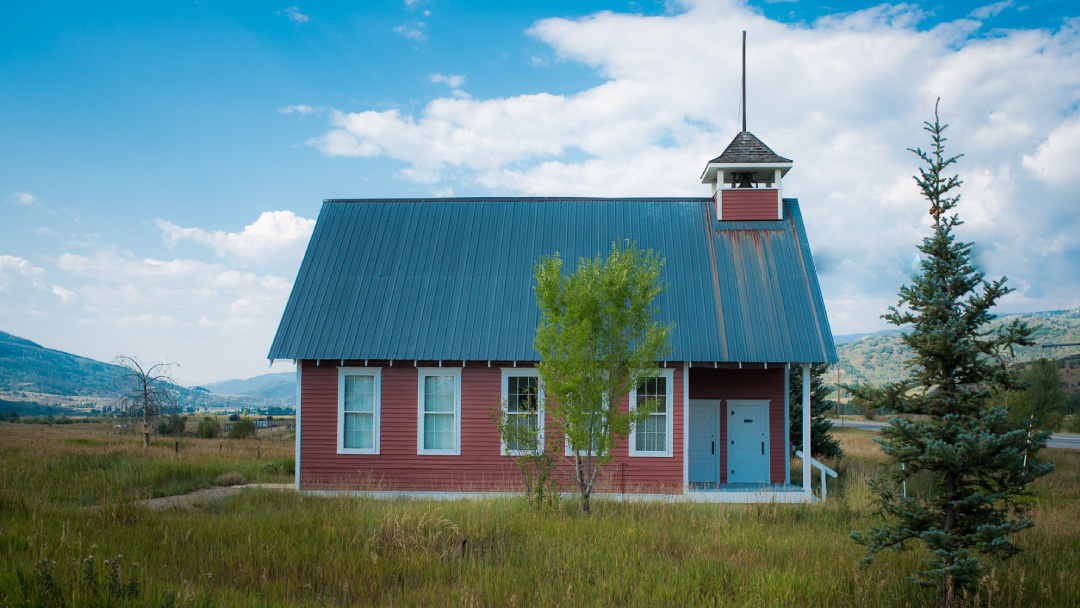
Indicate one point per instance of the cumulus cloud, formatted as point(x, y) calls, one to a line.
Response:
point(454, 81)
point(166, 309)
point(13, 268)
point(298, 109)
point(267, 238)
point(22, 198)
point(293, 14)
point(844, 97)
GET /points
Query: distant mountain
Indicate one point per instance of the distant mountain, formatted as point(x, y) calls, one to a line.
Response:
point(29, 367)
point(33, 377)
point(278, 387)
point(879, 358)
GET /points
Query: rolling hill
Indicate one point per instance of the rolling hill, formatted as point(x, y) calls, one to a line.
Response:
point(39, 380)
point(879, 358)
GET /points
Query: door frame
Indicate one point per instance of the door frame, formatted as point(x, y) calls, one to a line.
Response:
point(764, 405)
point(716, 405)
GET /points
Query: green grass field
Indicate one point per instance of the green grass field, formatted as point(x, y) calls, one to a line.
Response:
point(68, 508)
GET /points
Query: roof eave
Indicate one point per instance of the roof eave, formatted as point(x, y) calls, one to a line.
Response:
point(709, 175)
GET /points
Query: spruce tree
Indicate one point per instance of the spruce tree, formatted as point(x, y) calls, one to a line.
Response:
point(822, 443)
point(969, 451)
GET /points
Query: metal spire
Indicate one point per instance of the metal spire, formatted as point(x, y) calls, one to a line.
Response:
point(744, 81)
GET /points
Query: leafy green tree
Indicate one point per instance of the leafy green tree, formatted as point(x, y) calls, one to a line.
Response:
point(822, 443)
point(209, 428)
point(598, 338)
point(242, 429)
point(1042, 401)
point(969, 450)
point(521, 435)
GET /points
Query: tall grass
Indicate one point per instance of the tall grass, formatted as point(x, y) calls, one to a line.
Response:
point(267, 547)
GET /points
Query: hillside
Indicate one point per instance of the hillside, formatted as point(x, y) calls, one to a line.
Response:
point(39, 380)
point(31, 368)
point(879, 358)
point(277, 387)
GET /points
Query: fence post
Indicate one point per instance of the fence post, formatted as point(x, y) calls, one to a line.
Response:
point(258, 452)
point(176, 446)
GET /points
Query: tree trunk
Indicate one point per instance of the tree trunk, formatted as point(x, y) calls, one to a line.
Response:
point(583, 485)
point(146, 427)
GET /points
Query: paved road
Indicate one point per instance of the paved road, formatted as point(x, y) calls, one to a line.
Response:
point(1064, 441)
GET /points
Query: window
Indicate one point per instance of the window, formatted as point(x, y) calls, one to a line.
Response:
point(523, 404)
point(652, 437)
point(439, 420)
point(359, 390)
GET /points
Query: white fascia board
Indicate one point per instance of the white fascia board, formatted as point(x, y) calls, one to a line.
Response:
point(709, 175)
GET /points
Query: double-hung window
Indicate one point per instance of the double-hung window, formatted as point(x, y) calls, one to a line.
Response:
point(439, 412)
point(359, 390)
point(652, 436)
point(524, 410)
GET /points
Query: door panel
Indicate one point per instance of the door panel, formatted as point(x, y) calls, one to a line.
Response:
point(704, 448)
point(748, 443)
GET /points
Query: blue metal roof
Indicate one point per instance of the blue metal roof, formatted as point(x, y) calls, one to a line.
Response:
point(452, 279)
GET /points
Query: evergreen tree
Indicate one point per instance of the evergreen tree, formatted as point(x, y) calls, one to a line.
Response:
point(1042, 401)
point(822, 443)
point(970, 452)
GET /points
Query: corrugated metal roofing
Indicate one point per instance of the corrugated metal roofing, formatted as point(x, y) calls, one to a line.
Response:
point(452, 279)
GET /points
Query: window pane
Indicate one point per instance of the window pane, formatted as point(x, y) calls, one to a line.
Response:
point(359, 431)
point(527, 423)
point(522, 394)
point(438, 431)
point(359, 393)
point(439, 394)
point(651, 435)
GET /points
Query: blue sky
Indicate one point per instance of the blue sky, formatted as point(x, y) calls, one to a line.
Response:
point(162, 163)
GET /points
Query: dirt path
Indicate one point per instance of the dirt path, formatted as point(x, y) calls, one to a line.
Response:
point(199, 498)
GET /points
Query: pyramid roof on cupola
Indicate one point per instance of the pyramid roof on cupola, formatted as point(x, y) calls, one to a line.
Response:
point(746, 148)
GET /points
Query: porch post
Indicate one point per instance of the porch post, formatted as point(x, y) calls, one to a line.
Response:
point(806, 427)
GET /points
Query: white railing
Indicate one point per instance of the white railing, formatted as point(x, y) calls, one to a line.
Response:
point(824, 470)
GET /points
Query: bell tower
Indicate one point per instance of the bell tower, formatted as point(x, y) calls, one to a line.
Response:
point(746, 178)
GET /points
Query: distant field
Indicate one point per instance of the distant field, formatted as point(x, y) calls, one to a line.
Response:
point(68, 503)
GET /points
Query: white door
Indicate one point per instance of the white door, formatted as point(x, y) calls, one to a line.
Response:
point(704, 442)
point(748, 441)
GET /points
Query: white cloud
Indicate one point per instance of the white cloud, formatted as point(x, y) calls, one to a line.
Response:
point(22, 198)
point(11, 265)
point(454, 81)
point(46, 231)
point(266, 239)
point(66, 295)
point(413, 30)
point(844, 97)
point(293, 14)
point(298, 109)
point(990, 10)
point(1055, 159)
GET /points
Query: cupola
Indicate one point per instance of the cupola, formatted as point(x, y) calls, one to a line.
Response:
point(746, 178)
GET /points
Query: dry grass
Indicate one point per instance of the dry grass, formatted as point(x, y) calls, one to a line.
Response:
point(271, 548)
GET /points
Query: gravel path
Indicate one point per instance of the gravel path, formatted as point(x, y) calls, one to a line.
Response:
point(199, 498)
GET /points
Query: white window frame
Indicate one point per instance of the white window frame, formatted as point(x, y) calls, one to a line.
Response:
point(376, 372)
point(507, 373)
point(669, 379)
point(424, 372)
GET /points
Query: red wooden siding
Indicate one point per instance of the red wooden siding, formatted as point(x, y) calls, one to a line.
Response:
point(479, 467)
point(750, 204)
point(768, 384)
